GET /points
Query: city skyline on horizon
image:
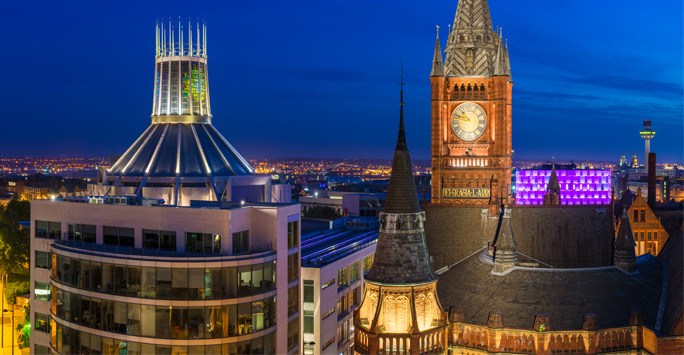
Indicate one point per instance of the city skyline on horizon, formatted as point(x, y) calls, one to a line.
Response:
point(300, 106)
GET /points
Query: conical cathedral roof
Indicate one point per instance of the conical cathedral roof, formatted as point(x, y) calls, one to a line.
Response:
point(181, 149)
point(181, 141)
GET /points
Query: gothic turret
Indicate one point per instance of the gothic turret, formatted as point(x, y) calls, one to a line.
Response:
point(400, 305)
point(506, 253)
point(625, 255)
point(401, 255)
point(553, 189)
point(437, 66)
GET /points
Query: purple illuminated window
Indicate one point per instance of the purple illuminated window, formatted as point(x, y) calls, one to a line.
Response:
point(578, 187)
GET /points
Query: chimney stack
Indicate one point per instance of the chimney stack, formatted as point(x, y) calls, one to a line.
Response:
point(651, 179)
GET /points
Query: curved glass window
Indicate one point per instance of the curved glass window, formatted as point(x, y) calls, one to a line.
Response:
point(165, 322)
point(166, 283)
point(70, 341)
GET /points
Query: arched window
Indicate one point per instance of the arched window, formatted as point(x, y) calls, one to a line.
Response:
point(390, 314)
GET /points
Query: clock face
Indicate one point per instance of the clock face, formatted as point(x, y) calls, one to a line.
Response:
point(468, 121)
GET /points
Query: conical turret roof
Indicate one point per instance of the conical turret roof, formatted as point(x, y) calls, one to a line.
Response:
point(401, 255)
point(554, 185)
point(437, 66)
point(401, 192)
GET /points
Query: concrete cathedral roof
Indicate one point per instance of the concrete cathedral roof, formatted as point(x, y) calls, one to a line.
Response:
point(181, 149)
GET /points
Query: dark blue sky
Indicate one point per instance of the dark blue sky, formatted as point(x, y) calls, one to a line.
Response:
point(319, 78)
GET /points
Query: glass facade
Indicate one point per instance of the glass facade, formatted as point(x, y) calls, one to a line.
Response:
point(292, 234)
point(292, 267)
point(166, 283)
point(70, 341)
point(165, 322)
point(181, 88)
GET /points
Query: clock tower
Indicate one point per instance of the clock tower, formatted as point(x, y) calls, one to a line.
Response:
point(471, 112)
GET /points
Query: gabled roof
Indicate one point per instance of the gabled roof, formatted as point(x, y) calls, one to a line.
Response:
point(625, 203)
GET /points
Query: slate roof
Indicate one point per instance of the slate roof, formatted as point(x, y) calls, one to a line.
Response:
point(671, 254)
point(561, 236)
point(401, 192)
point(565, 295)
point(472, 29)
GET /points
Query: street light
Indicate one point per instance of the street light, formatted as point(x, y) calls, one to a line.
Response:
point(3, 325)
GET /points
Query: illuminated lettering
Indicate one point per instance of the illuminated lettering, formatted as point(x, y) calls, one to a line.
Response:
point(454, 192)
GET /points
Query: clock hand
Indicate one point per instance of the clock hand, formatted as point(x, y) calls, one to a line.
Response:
point(463, 118)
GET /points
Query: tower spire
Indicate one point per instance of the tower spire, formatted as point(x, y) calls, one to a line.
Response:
point(624, 256)
point(404, 258)
point(437, 66)
point(499, 66)
point(472, 43)
point(401, 139)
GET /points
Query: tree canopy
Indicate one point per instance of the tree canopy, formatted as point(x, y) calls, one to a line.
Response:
point(14, 240)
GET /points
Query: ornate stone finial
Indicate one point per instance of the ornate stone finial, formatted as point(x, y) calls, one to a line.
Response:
point(636, 318)
point(456, 315)
point(505, 254)
point(495, 320)
point(542, 323)
point(590, 322)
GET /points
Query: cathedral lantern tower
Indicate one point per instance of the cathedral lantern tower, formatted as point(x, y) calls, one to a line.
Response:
point(400, 312)
point(471, 113)
point(181, 156)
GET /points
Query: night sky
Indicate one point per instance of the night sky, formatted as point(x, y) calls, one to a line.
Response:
point(320, 78)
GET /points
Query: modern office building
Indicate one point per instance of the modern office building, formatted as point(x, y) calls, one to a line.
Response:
point(114, 273)
point(178, 249)
point(334, 263)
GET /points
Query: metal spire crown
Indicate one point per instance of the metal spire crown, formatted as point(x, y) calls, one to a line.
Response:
point(172, 41)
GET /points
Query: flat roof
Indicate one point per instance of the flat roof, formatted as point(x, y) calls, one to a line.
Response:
point(323, 247)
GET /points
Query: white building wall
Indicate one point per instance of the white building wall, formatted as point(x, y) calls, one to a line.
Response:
point(267, 226)
point(326, 299)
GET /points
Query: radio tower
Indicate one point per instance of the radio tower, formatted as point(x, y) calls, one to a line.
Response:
point(647, 133)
